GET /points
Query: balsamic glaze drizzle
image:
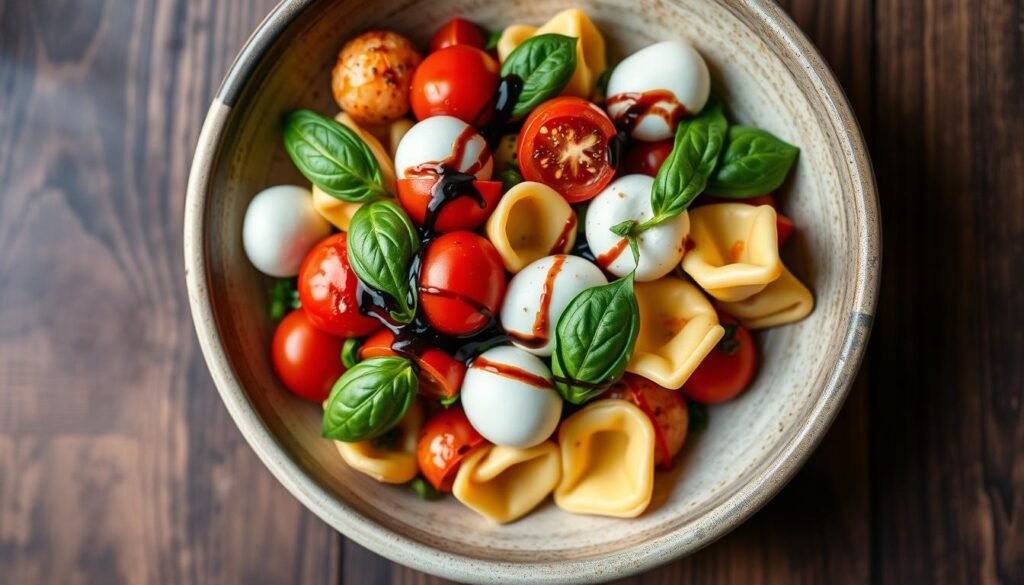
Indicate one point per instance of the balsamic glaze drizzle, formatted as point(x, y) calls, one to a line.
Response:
point(492, 121)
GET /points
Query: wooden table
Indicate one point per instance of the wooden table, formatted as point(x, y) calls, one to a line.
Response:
point(119, 464)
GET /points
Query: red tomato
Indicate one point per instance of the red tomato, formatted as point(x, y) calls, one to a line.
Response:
point(564, 144)
point(461, 214)
point(327, 290)
point(666, 408)
point(462, 283)
point(446, 439)
point(457, 31)
point(307, 360)
point(440, 374)
point(782, 223)
point(459, 81)
point(646, 158)
point(727, 370)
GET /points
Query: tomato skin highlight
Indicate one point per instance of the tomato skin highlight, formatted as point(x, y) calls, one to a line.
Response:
point(462, 283)
point(666, 408)
point(440, 374)
point(458, 81)
point(461, 214)
point(564, 144)
point(646, 158)
point(305, 359)
point(446, 439)
point(723, 376)
point(457, 31)
point(327, 290)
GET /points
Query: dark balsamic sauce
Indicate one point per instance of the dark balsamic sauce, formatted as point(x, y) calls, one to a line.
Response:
point(494, 118)
point(508, 371)
point(641, 105)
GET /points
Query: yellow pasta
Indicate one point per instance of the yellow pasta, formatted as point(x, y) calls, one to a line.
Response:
point(735, 249)
point(396, 465)
point(786, 300)
point(607, 460)
point(590, 50)
point(504, 483)
point(678, 329)
point(530, 222)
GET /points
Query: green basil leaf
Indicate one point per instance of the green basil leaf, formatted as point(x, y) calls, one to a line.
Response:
point(382, 244)
point(545, 63)
point(424, 490)
point(350, 352)
point(686, 170)
point(754, 162)
point(594, 340)
point(493, 39)
point(698, 417)
point(284, 296)
point(510, 178)
point(369, 400)
point(333, 157)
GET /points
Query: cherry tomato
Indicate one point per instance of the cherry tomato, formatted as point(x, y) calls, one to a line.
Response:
point(458, 31)
point(461, 214)
point(727, 370)
point(327, 290)
point(307, 360)
point(446, 439)
point(564, 144)
point(440, 374)
point(646, 158)
point(666, 408)
point(459, 81)
point(462, 283)
point(782, 223)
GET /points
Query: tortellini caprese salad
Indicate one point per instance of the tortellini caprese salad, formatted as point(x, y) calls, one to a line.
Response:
point(519, 270)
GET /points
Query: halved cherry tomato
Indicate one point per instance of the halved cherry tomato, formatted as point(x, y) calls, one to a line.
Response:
point(462, 283)
point(446, 439)
point(327, 290)
point(666, 408)
point(782, 223)
point(440, 374)
point(460, 214)
point(564, 144)
point(459, 81)
point(727, 370)
point(307, 360)
point(457, 31)
point(646, 158)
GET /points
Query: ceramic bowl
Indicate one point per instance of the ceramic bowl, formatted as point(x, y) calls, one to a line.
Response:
point(768, 74)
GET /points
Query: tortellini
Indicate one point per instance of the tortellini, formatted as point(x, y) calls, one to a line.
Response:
point(530, 222)
point(735, 249)
point(678, 329)
point(607, 460)
point(504, 483)
point(590, 51)
point(388, 465)
point(786, 300)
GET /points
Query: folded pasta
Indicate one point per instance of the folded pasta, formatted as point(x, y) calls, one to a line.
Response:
point(504, 483)
point(786, 300)
point(388, 463)
point(530, 222)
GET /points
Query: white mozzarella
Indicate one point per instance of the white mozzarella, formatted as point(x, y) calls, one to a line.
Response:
point(674, 66)
point(661, 247)
point(539, 293)
point(281, 226)
point(433, 140)
point(503, 407)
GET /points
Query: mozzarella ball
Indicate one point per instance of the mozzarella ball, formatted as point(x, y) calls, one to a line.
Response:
point(281, 226)
point(370, 80)
point(435, 141)
point(509, 398)
point(537, 296)
point(661, 247)
point(671, 66)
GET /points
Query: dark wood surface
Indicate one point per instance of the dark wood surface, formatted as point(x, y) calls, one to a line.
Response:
point(118, 464)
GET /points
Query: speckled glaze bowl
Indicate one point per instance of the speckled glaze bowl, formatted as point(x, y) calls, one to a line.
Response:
point(768, 74)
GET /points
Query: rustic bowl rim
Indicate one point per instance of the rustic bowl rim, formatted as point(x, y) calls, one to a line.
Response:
point(683, 540)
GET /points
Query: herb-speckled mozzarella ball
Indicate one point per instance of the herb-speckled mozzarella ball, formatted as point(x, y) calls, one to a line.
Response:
point(539, 293)
point(509, 398)
point(661, 247)
point(371, 79)
point(672, 66)
point(434, 141)
point(281, 226)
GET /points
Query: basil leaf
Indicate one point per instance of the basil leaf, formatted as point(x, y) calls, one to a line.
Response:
point(382, 243)
point(698, 417)
point(594, 340)
point(333, 157)
point(350, 352)
point(510, 177)
point(545, 63)
point(754, 162)
point(369, 400)
point(284, 296)
point(686, 170)
point(424, 490)
point(493, 39)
